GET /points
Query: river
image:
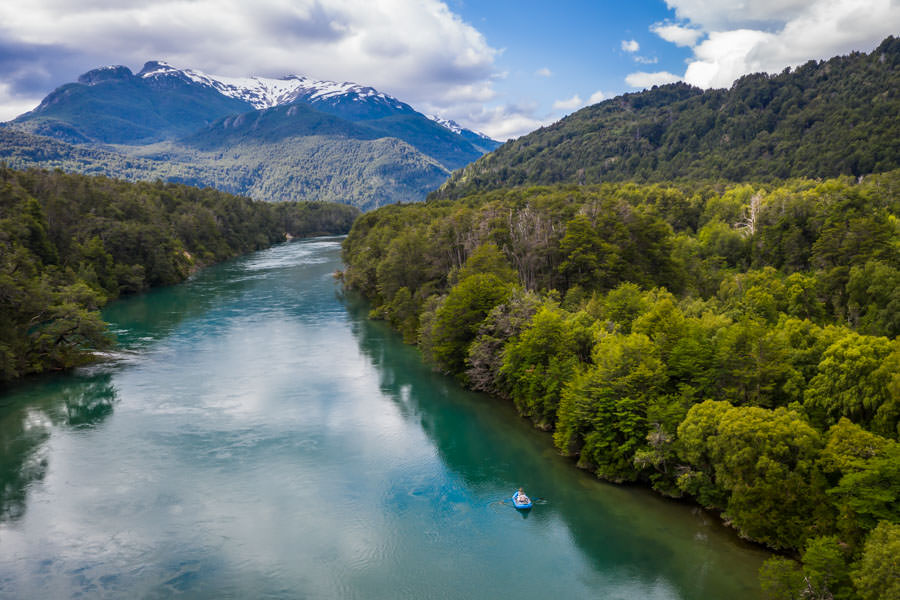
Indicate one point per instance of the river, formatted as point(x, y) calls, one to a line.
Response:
point(257, 437)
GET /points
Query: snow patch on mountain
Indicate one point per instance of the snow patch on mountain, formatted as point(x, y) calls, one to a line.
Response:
point(449, 124)
point(266, 92)
point(456, 127)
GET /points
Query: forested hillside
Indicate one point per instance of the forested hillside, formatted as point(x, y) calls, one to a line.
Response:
point(71, 243)
point(362, 173)
point(836, 117)
point(734, 344)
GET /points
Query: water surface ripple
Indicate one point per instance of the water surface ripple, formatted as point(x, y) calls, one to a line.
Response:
point(257, 437)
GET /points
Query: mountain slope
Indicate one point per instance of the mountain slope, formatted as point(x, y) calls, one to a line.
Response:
point(297, 119)
point(361, 173)
point(822, 119)
point(347, 100)
point(112, 105)
point(291, 138)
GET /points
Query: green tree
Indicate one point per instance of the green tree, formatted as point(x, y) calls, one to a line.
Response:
point(851, 382)
point(877, 576)
point(458, 318)
point(487, 258)
point(539, 363)
point(767, 460)
point(873, 298)
point(825, 569)
point(781, 579)
point(696, 449)
point(589, 261)
point(603, 411)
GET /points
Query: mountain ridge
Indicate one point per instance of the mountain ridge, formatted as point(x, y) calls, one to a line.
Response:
point(821, 119)
point(347, 100)
point(262, 137)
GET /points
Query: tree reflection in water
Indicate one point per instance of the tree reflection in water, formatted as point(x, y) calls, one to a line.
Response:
point(28, 417)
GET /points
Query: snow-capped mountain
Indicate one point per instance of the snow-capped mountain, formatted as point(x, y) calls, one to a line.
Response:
point(448, 123)
point(266, 92)
point(474, 137)
point(349, 136)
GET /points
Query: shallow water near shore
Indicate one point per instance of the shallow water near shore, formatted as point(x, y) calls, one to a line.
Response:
point(257, 436)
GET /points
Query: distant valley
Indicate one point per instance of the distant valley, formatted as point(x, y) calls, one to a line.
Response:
point(271, 139)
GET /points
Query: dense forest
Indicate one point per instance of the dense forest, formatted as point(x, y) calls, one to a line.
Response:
point(732, 344)
point(71, 243)
point(822, 119)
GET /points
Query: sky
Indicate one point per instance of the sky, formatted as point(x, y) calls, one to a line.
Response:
point(504, 67)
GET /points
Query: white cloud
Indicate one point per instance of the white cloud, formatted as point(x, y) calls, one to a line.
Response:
point(596, 97)
point(739, 14)
point(414, 49)
point(507, 121)
point(630, 46)
point(12, 104)
point(725, 56)
point(575, 102)
point(501, 121)
point(646, 60)
point(642, 79)
point(678, 35)
point(568, 104)
point(543, 72)
point(769, 35)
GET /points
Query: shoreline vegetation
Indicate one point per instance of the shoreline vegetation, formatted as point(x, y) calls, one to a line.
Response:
point(731, 344)
point(71, 243)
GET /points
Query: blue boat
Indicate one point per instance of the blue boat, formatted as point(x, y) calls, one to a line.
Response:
point(522, 502)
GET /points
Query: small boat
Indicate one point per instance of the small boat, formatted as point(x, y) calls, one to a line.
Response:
point(521, 502)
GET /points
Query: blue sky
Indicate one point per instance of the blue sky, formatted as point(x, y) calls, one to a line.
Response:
point(552, 52)
point(500, 66)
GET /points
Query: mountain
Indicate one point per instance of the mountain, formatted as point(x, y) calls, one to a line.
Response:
point(112, 105)
point(476, 138)
point(362, 173)
point(290, 138)
point(823, 119)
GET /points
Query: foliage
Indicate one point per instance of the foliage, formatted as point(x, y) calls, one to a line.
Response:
point(539, 362)
point(878, 574)
point(854, 380)
point(457, 319)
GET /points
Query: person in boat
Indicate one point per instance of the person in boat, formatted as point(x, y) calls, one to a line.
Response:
point(521, 498)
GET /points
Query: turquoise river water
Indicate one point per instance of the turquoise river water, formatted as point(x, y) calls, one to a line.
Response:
point(257, 437)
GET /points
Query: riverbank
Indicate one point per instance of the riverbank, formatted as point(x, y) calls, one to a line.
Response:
point(71, 243)
point(263, 437)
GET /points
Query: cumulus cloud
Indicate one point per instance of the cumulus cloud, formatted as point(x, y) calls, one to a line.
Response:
point(438, 55)
point(568, 104)
point(725, 56)
point(769, 35)
point(503, 122)
point(646, 60)
point(543, 72)
point(738, 14)
point(575, 102)
point(642, 79)
point(630, 46)
point(596, 97)
point(677, 34)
